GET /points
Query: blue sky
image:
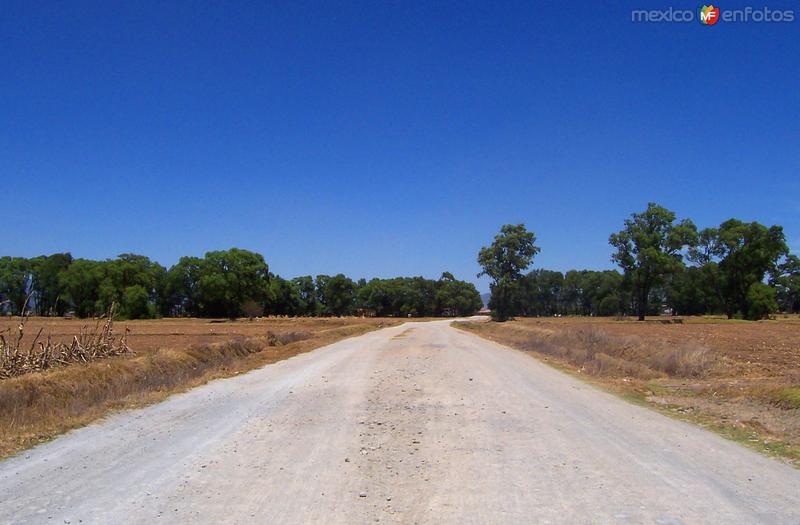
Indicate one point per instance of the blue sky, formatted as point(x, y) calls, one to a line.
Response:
point(385, 138)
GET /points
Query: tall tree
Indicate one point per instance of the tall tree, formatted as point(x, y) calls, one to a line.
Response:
point(786, 280)
point(230, 278)
point(746, 253)
point(649, 248)
point(511, 253)
point(14, 283)
point(45, 273)
point(337, 294)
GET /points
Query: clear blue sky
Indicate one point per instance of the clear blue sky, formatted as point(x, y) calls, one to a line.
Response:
point(385, 138)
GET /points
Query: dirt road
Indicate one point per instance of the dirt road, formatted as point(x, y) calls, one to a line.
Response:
point(419, 423)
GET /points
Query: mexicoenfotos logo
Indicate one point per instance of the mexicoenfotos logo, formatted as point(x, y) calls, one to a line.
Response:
point(709, 15)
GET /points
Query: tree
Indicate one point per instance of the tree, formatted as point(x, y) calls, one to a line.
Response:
point(14, 282)
point(539, 293)
point(649, 248)
point(746, 253)
point(181, 295)
point(230, 278)
point(511, 252)
point(786, 280)
point(307, 295)
point(45, 274)
point(337, 294)
point(456, 298)
point(760, 301)
point(80, 284)
point(693, 290)
point(136, 303)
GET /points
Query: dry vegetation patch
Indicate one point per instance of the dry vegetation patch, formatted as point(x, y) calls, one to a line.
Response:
point(170, 356)
point(739, 378)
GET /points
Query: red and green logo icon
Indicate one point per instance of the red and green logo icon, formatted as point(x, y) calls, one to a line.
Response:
point(709, 15)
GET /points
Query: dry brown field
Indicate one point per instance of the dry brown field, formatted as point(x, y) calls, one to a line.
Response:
point(739, 378)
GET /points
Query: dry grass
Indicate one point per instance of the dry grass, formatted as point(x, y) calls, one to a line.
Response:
point(596, 352)
point(36, 406)
point(741, 379)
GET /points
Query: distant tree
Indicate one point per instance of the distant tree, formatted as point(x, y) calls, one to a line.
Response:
point(308, 303)
point(693, 290)
point(511, 252)
point(539, 293)
point(136, 303)
point(283, 298)
point(337, 294)
point(45, 274)
point(746, 253)
point(80, 284)
point(760, 301)
point(649, 248)
point(14, 282)
point(181, 294)
point(456, 298)
point(230, 278)
point(786, 280)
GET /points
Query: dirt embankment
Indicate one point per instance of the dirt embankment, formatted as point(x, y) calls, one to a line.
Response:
point(739, 378)
point(169, 356)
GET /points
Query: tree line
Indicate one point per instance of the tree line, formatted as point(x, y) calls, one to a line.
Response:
point(740, 269)
point(229, 283)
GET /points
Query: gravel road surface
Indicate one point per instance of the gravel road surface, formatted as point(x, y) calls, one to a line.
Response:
point(419, 423)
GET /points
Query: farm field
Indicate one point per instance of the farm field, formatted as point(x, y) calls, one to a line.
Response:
point(168, 355)
point(739, 378)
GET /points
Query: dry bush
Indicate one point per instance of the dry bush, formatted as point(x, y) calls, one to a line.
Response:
point(40, 355)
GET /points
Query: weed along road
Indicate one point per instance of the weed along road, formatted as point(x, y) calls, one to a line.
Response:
point(418, 423)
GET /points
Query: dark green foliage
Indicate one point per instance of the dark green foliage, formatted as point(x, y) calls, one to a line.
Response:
point(132, 281)
point(585, 290)
point(760, 301)
point(694, 290)
point(14, 279)
point(511, 252)
point(417, 296)
point(746, 253)
point(336, 294)
point(649, 249)
point(786, 280)
point(45, 272)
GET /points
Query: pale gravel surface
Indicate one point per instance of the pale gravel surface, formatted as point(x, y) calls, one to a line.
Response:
point(419, 423)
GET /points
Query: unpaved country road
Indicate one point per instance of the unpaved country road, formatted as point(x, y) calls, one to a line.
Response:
point(419, 423)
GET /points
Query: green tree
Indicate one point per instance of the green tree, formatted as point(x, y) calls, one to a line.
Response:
point(746, 253)
point(649, 248)
point(136, 303)
point(511, 252)
point(307, 296)
point(694, 291)
point(337, 294)
point(14, 283)
point(80, 284)
point(181, 294)
point(760, 301)
point(46, 272)
point(786, 280)
point(456, 298)
point(230, 278)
